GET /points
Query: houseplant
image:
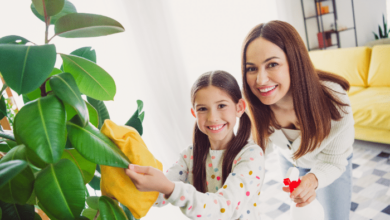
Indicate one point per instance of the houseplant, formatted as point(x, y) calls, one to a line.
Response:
point(382, 33)
point(56, 144)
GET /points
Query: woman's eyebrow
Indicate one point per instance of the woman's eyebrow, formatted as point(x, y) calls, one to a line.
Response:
point(268, 59)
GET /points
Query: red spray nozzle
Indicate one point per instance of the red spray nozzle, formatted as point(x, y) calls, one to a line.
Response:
point(291, 184)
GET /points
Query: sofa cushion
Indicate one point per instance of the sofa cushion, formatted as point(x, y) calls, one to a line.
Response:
point(351, 63)
point(355, 89)
point(379, 73)
point(370, 108)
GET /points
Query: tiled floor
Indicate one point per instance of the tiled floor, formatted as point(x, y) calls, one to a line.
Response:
point(371, 181)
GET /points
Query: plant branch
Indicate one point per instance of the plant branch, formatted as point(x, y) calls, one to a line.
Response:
point(43, 88)
point(97, 215)
point(47, 23)
point(51, 38)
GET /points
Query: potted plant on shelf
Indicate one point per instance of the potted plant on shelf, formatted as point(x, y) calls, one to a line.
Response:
point(383, 35)
point(56, 146)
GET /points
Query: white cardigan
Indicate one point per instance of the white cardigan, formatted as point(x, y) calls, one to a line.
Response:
point(329, 160)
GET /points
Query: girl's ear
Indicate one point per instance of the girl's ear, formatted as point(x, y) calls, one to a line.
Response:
point(193, 112)
point(241, 106)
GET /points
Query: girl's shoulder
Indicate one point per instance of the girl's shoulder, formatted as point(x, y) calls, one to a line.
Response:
point(250, 150)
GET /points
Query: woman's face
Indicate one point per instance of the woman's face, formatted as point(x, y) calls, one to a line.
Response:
point(267, 71)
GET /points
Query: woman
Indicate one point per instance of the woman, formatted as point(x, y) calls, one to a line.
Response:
point(302, 112)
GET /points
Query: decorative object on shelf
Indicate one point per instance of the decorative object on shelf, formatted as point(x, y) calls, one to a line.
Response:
point(325, 37)
point(384, 33)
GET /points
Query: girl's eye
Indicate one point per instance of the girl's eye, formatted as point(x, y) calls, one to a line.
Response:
point(201, 109)
point(250, 69)
point(221, 105)
point(272, 65)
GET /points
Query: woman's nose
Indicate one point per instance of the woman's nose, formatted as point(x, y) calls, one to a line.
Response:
point(262, 78)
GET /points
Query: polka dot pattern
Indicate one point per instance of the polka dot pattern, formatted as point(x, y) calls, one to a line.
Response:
point(222, 210)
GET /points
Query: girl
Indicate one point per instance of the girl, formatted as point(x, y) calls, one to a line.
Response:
point(302, 112)
point(226, 166)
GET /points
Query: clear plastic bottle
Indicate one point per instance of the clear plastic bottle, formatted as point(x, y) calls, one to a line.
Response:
point(312, 211)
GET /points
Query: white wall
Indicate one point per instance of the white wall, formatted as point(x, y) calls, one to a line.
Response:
point(368, 15)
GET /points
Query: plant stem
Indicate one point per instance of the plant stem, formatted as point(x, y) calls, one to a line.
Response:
point(97, 215)
point(43, 88)
point(47, 23)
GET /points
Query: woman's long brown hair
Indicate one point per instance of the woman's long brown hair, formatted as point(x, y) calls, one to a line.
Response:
point(201, 143)
point(315, 105)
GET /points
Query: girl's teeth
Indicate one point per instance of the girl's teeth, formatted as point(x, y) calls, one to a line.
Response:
point(216, 128)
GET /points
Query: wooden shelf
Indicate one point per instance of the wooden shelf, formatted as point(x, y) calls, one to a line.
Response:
point(314, 16)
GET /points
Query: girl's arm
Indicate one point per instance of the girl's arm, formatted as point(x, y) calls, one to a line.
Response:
point(229, 202)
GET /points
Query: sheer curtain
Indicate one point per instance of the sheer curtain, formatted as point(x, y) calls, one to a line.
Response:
point(166, 46)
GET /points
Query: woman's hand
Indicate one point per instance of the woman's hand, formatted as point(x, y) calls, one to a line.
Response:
point(305, 193)
point(148, 179)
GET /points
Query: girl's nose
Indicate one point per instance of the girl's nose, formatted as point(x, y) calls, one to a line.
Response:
point(262, 78)
point(212, 116)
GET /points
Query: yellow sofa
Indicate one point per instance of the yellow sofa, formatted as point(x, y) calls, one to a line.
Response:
point(368, 72)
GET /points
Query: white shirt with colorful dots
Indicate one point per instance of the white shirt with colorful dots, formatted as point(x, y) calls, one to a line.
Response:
point(237, 198)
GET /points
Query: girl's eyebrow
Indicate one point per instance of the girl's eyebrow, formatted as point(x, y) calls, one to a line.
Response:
point(266, 60)
point(199, 105)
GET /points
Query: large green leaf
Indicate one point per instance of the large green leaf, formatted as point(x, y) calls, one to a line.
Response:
point(20, 188)
point(86, 25)
point(136, 120)
point(110, 210)
point(7, 135)
point(60, 188)
point(40, 125)
point(25, 68)
point(94, 146)
point(127, 212)
point(67, 9)
point(90, 214)
point(13, 39)
point(37, 217)
point(84, 52)
point(10, 169)
point(86, 167)
point(95, 183)
point(93, 115)
point(64, 87)
point(17, 212)
point(37, 92)
point(51, 216)
point(101, 109)
point(93, 202)
point(48, 7)
point(3, 108)
point(91, 79)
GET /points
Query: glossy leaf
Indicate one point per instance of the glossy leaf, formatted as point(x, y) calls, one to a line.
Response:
point(7, 135)
point(37, 92)
point(65, 88)
point(93, 115)
point(10, 169)
point(94, 146)
point(25, 99)
point(3, 108)
point(37, 217)
point(16, 212)
point(86, 25)
point(48, 7)
point(84, 52)
point(40, 125)
point(93, 202)
point(110, 210)
point(101, 110)
point(67, 9)
point(13, 39)
point(60, 188)
point(86, 167)
point(137, 118)
point(7, 145)
point(24, 68)
point(91, 79)
point(90, 213)
point(129, 215)
point(51, 216)
point(95, 183)
point(19, 188)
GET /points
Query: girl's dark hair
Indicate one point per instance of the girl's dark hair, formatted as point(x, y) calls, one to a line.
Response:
point(201, 143)
point(315, 105)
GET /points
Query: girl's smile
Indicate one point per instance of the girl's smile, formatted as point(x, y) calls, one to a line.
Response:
point(216, 128)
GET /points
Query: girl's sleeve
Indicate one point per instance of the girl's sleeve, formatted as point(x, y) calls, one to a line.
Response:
point(178, 172)
point(332, 160)
point(234, 198)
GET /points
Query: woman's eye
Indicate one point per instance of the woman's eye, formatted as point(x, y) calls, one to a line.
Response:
point(221, 106)
point(272, 65)
point(250, 69)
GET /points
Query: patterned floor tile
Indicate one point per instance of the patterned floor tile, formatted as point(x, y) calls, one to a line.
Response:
point(381, 216)
point(368, 212)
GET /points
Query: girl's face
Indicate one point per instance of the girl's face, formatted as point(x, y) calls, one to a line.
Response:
point(267, 71)
point(216, 114)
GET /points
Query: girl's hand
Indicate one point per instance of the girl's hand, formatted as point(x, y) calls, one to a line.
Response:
point(148, 179)
point(305, 193)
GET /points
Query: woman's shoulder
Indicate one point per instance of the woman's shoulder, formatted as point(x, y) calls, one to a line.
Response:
point(334, 86)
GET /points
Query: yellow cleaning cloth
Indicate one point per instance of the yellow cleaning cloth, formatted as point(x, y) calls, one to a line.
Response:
point(114, 181)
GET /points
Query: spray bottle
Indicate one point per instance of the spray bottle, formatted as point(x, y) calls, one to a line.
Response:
point(312, 211)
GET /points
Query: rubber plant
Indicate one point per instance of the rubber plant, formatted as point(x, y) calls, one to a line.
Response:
point(56, 147)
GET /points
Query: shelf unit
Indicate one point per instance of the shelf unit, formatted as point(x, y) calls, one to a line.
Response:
point(320, 25)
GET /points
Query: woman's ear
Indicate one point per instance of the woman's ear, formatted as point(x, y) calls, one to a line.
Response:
point(193, 112)
point(241, 106)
